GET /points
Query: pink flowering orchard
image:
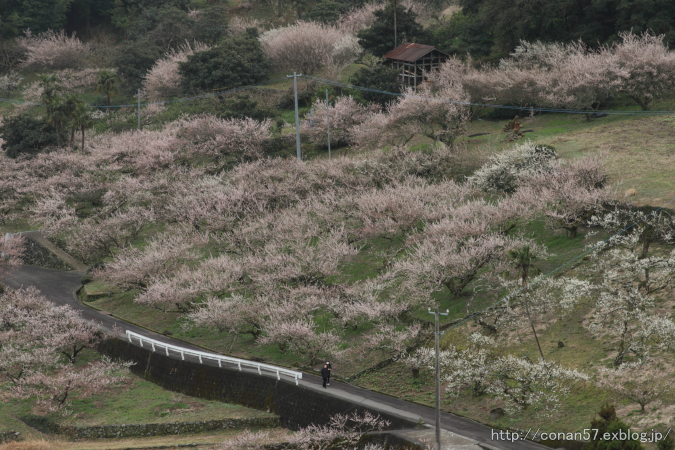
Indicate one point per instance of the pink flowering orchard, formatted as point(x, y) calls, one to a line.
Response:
point(197, 217)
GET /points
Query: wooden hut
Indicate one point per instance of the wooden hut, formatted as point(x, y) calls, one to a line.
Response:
point(414, 61)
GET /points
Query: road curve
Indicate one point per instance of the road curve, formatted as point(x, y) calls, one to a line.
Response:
point(59, 287)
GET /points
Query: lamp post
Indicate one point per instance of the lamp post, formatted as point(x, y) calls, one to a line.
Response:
point(437, 333)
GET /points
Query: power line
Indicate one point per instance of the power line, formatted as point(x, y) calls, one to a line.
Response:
point(376, 91)
point(185, 99)
point(489, 105)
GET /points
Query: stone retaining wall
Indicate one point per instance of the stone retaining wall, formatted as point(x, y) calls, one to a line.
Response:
point(149, 429)
point(297, 406)
point(35, 254)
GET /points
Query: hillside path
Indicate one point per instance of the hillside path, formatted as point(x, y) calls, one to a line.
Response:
point(459, 433)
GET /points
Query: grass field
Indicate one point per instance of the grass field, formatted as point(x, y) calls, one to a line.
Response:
point(134, 401)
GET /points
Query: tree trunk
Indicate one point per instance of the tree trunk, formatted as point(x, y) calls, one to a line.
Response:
point(643, 104)
point(82, 128)
point(647, 236)
point(58, 134)
point(529, 318)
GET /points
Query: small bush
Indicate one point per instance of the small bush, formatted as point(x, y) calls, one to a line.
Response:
point(26, 135)
point(243, 106)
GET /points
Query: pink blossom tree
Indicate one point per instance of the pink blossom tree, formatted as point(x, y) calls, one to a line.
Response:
point(53, 50)
point(12, 247)
point(641, 67)
point(638, 382)
point(302, 337)
point(163, 80)
point(447, 262)
point(56, 389)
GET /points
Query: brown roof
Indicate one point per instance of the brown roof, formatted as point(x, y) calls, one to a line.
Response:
point(410, 52)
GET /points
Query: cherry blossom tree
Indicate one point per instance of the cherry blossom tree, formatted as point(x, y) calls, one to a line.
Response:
point(539, 302)
point(235, 315)
point(12, 247)
point(164, 254)
point(506, 170)
point(520, 382)
point(524, 384)
point(68, 331)
point(420, 359)
point(658, 225)
point(641, 67)
point(344, 113)
point(638, 382)
point(105, 235)
point(622, 315)
point(359, 18)
point(56, 389)
point(54, 50)
point(472, 367)
point(302, 337)
point(447, 262)
point(163, 80)
point(308, 46)
point(568, 195)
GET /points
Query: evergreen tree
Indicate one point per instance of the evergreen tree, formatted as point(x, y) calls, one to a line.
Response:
point(379, 38)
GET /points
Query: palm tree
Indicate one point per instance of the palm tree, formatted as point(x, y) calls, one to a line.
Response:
point(70, 102)
point(57, 111)
point(50, 87)
point(106, 83)
point(523, 260)
point(50, 97)
point(81, 119)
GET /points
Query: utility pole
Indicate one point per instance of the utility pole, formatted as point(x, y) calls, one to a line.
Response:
point(437, 334)
point(395, 36)
point(297, 119)
point(139, 109)
point(328, 123)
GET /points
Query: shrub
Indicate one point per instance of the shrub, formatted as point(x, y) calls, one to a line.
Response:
point(23, 134)
point(53, 50)
point(236, 61)
point(242, 107)
point(134, 61)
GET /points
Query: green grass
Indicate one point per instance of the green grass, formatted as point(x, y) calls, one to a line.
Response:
point(134, 401)
point(140, 401)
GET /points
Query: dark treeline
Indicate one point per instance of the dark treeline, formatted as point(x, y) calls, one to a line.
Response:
point(490, 29)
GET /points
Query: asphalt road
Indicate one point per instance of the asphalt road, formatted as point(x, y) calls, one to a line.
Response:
point(59, 287)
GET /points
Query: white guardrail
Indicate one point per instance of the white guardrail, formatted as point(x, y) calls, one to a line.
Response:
point(220, 358)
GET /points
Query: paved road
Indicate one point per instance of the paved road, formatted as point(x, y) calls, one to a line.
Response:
point(59, 287)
